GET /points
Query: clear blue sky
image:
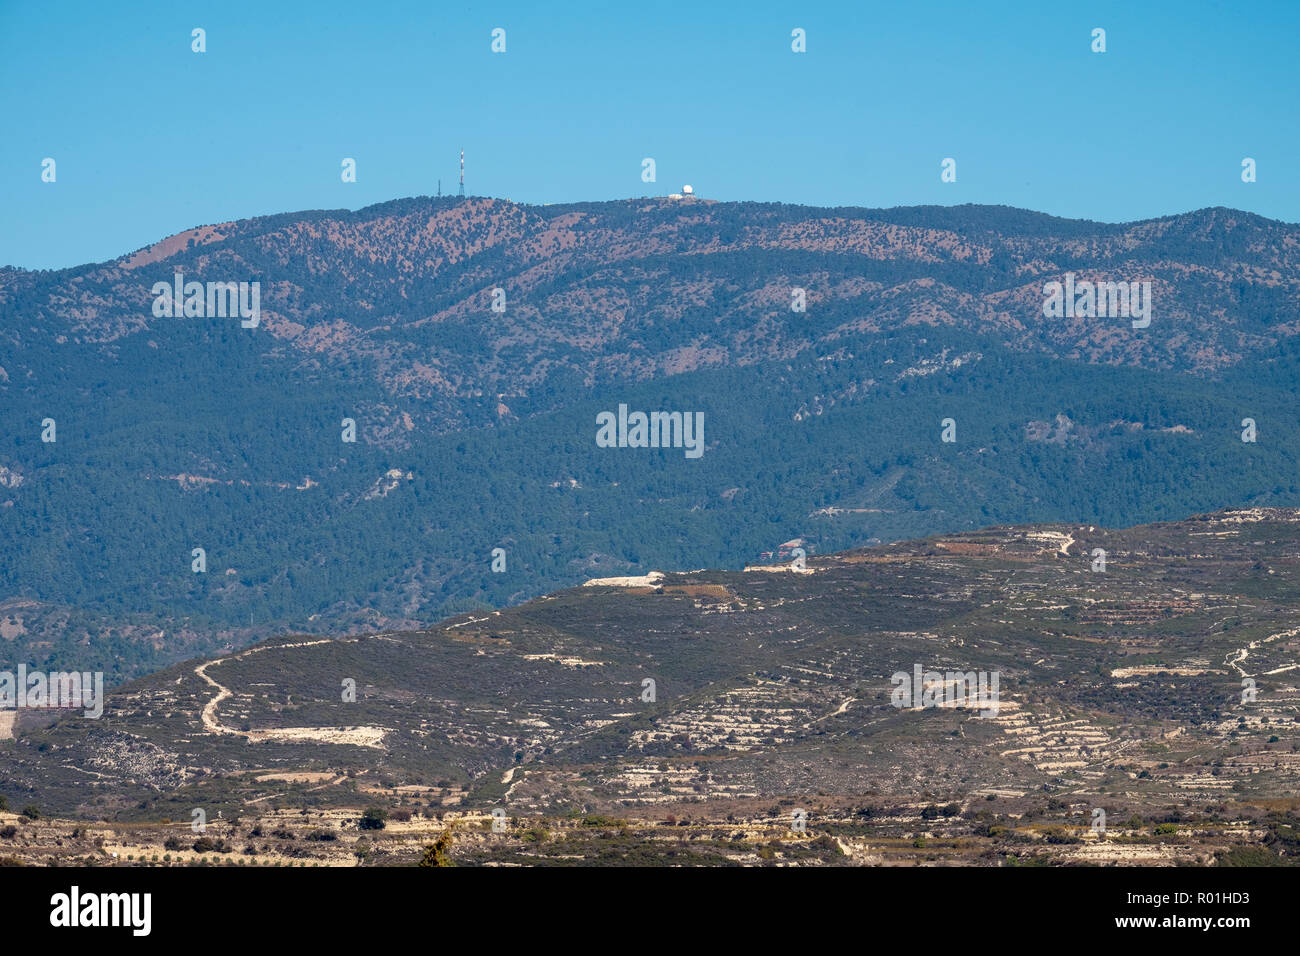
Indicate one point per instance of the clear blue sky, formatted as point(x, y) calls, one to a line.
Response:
point(150, 138)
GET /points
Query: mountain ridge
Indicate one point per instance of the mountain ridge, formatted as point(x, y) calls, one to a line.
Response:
point(1028, 214)
point(177, 433)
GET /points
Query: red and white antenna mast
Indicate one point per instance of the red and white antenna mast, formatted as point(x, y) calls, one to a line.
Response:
point(462, 173)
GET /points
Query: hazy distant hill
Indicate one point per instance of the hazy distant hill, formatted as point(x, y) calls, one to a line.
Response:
point(476, 429)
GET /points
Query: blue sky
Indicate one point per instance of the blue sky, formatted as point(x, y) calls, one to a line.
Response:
point(150, 138)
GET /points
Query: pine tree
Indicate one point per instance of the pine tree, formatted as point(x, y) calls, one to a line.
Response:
point(438, 853)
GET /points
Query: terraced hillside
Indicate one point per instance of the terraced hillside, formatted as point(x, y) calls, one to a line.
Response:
point(1126, 688)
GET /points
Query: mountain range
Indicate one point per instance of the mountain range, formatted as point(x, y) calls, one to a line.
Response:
point(473, 343)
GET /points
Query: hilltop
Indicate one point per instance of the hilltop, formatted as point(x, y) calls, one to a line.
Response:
point(1120, 688)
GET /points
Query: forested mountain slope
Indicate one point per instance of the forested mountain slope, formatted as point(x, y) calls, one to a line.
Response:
point(476, 429)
